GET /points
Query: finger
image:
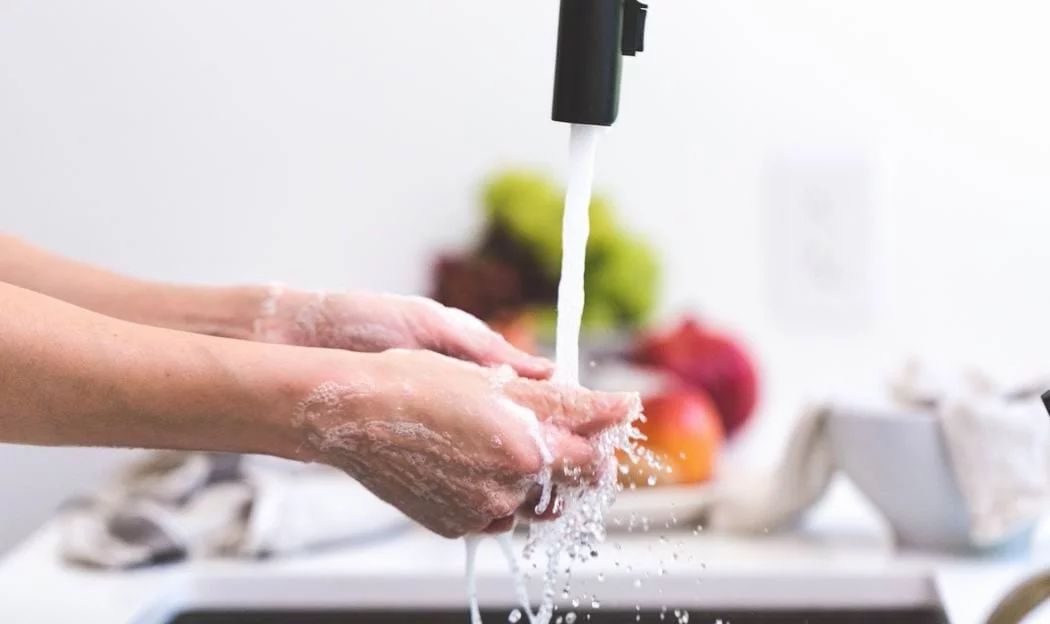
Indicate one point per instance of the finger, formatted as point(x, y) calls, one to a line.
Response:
point(575, 458)
point(496, 351)
point(488, 348)
point(464, 336)
point(581, 411)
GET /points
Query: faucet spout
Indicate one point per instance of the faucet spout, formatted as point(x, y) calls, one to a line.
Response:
point(593, 37)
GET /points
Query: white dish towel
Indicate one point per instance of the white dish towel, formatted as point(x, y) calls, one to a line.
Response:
point(173, 506)
point(997, 434)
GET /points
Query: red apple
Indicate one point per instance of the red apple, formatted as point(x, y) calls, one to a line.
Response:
point(684, 432)
point(707, 360)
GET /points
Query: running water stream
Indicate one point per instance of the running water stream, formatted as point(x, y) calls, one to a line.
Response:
point(579, 529)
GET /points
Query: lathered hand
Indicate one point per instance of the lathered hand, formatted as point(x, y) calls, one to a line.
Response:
point(373, 322)
point(456, 446)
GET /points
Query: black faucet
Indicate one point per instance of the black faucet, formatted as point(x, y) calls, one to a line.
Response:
point(593, 36)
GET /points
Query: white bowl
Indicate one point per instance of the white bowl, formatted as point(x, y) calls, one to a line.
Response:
point(898, 460)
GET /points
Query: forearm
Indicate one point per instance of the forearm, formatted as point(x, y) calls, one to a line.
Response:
point(214, 311)
point(72, 377)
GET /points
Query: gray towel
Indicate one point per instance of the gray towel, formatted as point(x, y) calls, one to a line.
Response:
point(173, 506)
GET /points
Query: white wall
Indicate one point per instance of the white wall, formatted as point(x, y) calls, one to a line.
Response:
point(339, 143)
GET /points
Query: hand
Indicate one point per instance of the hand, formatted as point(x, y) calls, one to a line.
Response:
point(372, 322)
point(455, 446)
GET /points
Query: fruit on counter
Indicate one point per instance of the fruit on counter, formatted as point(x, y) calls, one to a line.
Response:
point(530, 206)
point(481, 286)
point(625, 278)
point(518, 329)
point(707, 360)
point(683, 431)
point(524, 211)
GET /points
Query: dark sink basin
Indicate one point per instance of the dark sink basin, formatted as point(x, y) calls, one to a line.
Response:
point(596, 617)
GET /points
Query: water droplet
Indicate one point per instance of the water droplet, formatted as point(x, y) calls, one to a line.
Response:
point(570, 617)
point(514, 616)
point(651, 480)
point(638, 618)
point(595, 604)
point(663, 539)
point(637, 582)
point(601, 577)
point(674, 556)
point(575, 602)
point(681, 455)
point(663, 571)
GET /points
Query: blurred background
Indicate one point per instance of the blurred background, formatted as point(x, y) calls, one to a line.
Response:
point(835, 185)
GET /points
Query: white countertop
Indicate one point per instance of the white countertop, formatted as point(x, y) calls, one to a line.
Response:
point(841, 558)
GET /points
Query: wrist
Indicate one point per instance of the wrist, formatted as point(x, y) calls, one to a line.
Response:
point(257, 393)
point(227, 312)
point(334, 392)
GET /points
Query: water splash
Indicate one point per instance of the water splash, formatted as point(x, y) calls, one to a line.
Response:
point(473, 541)
point(580, 528)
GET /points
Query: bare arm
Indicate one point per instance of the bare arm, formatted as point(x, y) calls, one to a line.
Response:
point(207, 310)
point(72, 377)
point(450, 443)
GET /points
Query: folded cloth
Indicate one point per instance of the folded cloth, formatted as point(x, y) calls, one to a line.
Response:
point(997, 434)
point(174, 506)
point(750, 505)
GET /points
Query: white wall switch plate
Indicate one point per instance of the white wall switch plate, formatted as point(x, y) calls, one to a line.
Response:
point(819, 232)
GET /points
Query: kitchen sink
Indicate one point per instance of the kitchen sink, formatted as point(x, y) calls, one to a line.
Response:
point(595, 617)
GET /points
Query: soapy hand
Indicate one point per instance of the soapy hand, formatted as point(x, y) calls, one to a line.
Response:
point(455, 446)
point(374, 322)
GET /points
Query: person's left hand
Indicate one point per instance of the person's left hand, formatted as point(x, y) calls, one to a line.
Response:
point(373, 322)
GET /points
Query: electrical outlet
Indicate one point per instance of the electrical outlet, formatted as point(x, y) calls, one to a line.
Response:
point(818, 239)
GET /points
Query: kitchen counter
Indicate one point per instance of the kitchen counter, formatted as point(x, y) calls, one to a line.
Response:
point(840, 558)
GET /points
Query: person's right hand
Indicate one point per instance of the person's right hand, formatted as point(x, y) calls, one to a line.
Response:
point(452, 444)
